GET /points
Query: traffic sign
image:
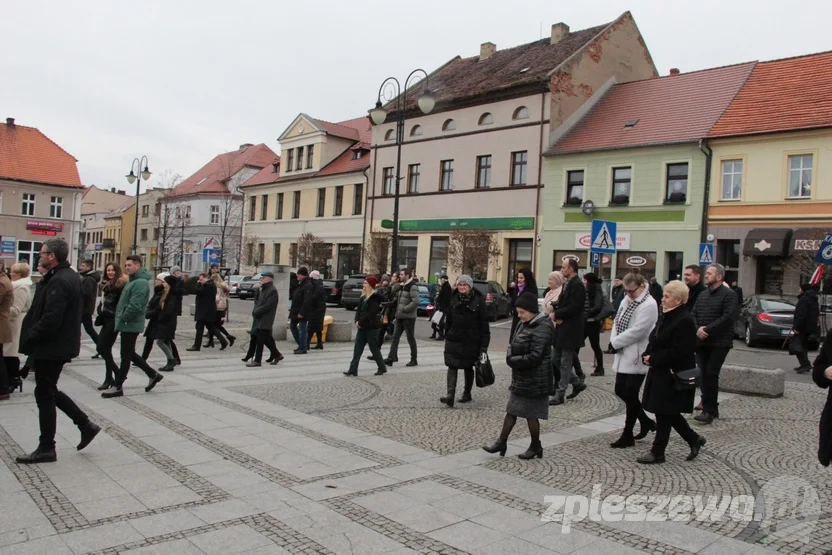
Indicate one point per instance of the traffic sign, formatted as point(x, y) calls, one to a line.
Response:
point(603, 237)
point(211, 256)
point(595, 259)
point(706, 254)
point(824, 254)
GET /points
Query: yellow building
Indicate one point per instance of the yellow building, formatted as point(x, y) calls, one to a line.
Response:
point(117, 243)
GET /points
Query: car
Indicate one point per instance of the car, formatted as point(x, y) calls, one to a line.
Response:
point(496, 299)
point(333, 290)
point(765, 318)
point(248, 287)
point(425, 299)
point(351, 291)
point(233, 283)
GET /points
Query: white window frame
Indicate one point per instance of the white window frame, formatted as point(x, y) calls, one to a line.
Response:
point(27, 201)
point(801, 171)
point(56, 207)
point(215, 214)
point(734, 175)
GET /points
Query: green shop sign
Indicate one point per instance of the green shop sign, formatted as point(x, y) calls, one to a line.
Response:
point(496, 224)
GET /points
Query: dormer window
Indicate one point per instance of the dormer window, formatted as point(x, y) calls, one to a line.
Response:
point(390, 135)
point(416, 131)
point(356, 154)
point(449, 125)
point(276, 167)
point(486, 119)
point(521, 113)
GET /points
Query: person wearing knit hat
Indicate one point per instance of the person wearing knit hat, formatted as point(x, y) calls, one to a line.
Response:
point(301, 310)
point(303, 271)
point(315, 274)
point(372, 281)
point(174, 270)
point(528, 302)
point(368, 320)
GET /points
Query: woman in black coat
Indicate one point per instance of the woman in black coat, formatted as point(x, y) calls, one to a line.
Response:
point(443, 303)
point(111, 293)
point(822, 374)
point(525, 284)
point(671, 349)
point(165, 325)
point(316, 321)
point(467, 335)
point(529, 357)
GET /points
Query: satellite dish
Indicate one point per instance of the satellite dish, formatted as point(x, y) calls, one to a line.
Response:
point(588, 207)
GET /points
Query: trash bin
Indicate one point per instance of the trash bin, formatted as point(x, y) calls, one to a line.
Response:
point(327, 321)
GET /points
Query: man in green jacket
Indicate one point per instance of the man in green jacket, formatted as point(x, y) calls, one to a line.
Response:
point(130, 316)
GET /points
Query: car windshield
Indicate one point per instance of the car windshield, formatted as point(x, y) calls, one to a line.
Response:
point(481, 287)
point(780, 305)
point(423, 290)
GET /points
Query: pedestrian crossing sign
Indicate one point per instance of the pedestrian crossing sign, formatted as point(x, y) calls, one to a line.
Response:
point(706, 254)
point(603, 237)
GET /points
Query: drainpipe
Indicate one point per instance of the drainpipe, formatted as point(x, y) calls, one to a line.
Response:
point(539, 177)
point(366, 203)
point(703, 146)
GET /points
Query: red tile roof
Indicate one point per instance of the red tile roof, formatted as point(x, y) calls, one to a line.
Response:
point(26, 154)
point(266, 175)
point(678, 108)
point(781, 95)
point(210, 179)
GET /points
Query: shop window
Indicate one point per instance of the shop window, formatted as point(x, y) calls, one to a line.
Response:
point(728, 254)
point(675, 266)
point(519, 256)
point(408, 249)
point(29, 252)
point(561, 256)
point(769, 276)
point(676, 182)
point(438, 258)
point(643, 260)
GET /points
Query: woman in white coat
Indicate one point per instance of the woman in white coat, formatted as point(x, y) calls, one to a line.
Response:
point(22, 285)
point(634, 321)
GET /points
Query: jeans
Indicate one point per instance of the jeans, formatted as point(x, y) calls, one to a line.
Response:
point(567, 374)
point(86, 321)
point(627, 387)
point(663, 424)
point(128, 355)
point(265, 338)
point(711, 359)
point(298, 329)
point(592, 331)
point(105, 348)
point(165, 346)
point(363, 339)
point(403, 326)
point(48, 397)
point(201, 326)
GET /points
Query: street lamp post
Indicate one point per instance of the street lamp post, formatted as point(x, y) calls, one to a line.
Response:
point(136, 177)
point(379, 115)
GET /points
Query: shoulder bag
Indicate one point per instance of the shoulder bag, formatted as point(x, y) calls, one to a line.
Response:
point(484, 373)
point(686, 380)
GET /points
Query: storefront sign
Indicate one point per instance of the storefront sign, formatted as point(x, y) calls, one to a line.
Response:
point(7, 245)
point(99, 247)
point(347, 248)
point(584, 240)
point(41, 225)
point(807, 245)
point(43, 232)
point(636, 261)
point(495, 224)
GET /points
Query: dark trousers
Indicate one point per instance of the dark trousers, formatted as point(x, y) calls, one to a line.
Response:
point(265, 338)
point(711, 360)
point(403, 326)
point(4, 375)
point(627, 387)
point(219, 328)
point(453, 374)
point(149, 341)
point(12, 368)
point(803, 359)
point(592, 331)
point(201, 326)
point(576, 365)
point(664, 422)
point(128, 355)
point(48, 397)
point(86, 321)
point(252, 345)
point(367, 338)
point(299, 329)
point(105, 348)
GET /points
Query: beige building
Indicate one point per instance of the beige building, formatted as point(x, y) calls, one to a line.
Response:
point(150, 220)
point(475, 161)
point(316, 187)
point(95, 206)
point(117, 243)
point(40, 194)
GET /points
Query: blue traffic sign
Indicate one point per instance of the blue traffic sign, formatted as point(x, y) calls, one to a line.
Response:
point(603, 237)
point(706, 254)
point(824, 254)
point(211, 256)
point(595, 259)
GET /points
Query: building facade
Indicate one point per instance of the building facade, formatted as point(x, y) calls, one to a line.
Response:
point(40, 194)
point(475, 162)
point(316, 189)
point(151, 218)
point(771, 199)
point(95, 206)
point(117, 243)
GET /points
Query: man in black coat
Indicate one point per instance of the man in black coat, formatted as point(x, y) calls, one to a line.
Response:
point(738, 290)
point(569, 332)
point(303, 306)
point(264, 312)
point(714, 314)
point(206, 312)
point(804, 326)
point(89, 290)
point(693, 279)
point(316, 319)
point(822, 376)
point(51, 334)
point(443, 304)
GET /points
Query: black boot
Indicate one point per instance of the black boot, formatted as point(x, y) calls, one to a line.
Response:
point(469, 383)
point(626, 440)
point(695, 446)
point(534, 450)
point(449, 398)
point(498, 446)
point(646, 427)
point(38, 456)
point(88, 433)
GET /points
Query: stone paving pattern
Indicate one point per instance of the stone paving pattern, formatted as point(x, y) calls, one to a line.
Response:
point(224, 459)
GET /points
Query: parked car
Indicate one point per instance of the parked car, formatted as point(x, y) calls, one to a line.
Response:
point(765, 318)
point(351, 291)
point(496, 299)
point(248, 287)
point(333, 290)
point(233, 283)
point(425, 299)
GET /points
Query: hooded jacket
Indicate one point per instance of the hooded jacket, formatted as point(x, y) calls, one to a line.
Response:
point(89, 289)
point(132, 304)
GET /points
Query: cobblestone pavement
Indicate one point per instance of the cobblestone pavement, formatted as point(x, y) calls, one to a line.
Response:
point(297, 458)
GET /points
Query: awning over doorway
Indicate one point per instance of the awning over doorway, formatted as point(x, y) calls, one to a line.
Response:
point(767, 242)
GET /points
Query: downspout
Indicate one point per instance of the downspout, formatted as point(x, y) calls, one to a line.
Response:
point(706, 150)
point(539, 184)
point(364, 227)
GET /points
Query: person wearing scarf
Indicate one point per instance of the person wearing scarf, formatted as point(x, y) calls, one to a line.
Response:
point(555, 284)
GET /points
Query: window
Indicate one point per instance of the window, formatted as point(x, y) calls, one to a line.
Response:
point(800, 176)
point(279, 215)
point(293, 254)
point(358, 199)
point(486, 119)
point(186, 213)
point(519, 163)
point(310, 153)
point(300, 159)
point(156, 234)
point(413, 172)
point(356, 154)
point(291, 155)
point(575, 187)
point(416, 131)
point(339, 200)
point(321, 202)
point(731, 180)
point(438, 258)
point(519, 256)
point(158, 209)
point(449, 125)
point(252, 208)
point(215, 214)
point(621, 179)
point(145, 210)
point(387, 176)
point(264, 207)
point(677, 182)
point(390, 135)
point(446, 178)
point(276, 253)
point(261, 253)
point(29, 252)
point(56, 206)
point(484, 171)
point(28, 204)
point(296, 205)
point(143, 234)
point(521, 113)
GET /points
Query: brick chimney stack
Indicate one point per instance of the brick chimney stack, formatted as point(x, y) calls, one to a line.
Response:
point(487, 49)
point(674, 71)
point(559, 31)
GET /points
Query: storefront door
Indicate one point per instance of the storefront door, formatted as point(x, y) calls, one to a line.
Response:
point(438, 258)
point(769, 275)
point(408, 249)
point(519, 256)
point(349, 260)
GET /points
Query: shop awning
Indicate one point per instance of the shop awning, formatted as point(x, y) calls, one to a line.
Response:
point(767, 242)
point(808, 239)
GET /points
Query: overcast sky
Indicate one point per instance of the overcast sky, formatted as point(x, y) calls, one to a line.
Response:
point(182, 81)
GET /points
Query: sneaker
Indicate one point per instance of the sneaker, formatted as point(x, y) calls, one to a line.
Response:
point(112, 392)
point(153, 381)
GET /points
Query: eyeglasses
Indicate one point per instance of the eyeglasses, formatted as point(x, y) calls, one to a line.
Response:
point(632, 291)
point(46, 252)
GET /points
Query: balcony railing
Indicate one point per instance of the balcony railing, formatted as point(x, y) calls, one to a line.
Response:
point(108, 243)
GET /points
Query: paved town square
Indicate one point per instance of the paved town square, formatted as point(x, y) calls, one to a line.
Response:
point(297, 458)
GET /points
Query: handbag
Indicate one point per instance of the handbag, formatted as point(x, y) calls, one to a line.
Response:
point(686, 380)
point(606, 310)
point(484, 373)
point(436, 318)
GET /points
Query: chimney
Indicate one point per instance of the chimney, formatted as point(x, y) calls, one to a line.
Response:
point(559, 30)
point(487, 49)
point(10, 122)
point(674, 71)
point(112, 189)
point(121, 192)
point(245, 146)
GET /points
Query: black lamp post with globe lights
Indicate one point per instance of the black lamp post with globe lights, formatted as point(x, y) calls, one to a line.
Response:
point(132, 177)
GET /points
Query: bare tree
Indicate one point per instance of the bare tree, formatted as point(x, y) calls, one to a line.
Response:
point(471, 251)
point(230, 218)
point(251, 254)
point(376, 252)
point(802, 260)
point(310, 251)
point(167, 220)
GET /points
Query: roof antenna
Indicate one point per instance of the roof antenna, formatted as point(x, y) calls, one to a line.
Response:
point(541, 29)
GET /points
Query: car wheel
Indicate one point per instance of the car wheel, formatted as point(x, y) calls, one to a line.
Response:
point(749, 338)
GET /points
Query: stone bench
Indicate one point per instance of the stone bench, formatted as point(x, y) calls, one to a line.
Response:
point(751, 380)
point(340, 332)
